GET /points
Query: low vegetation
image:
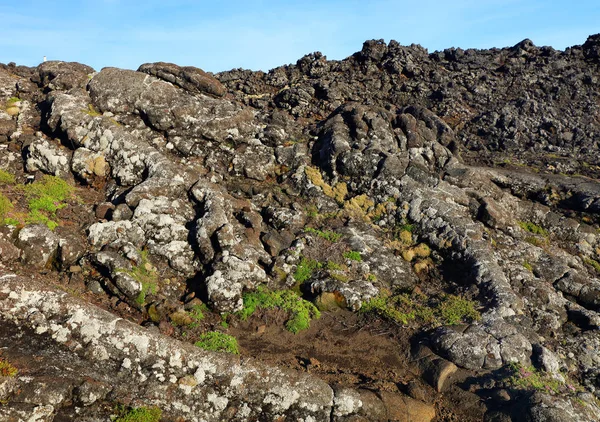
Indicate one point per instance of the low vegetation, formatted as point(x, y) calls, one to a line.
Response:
point(44, 198)
point(593, 263)
point(6, 178)
point(138, 414)
point(337, 192)
point(304, 270)
point(91, 111)
point(405, 309)
point(146, 275)
point(353, 256)
point(218, 342)
point(7, 369)
point(328, 235)
point(529, 378)
point(5, 207)
point(533, 228)
point(300, 311)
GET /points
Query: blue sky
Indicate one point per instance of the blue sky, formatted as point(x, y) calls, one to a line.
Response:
point(262, 34)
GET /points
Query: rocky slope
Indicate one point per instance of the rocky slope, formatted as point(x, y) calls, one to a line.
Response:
point(439, 213)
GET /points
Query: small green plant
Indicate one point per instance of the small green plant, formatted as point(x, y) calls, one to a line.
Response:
point(6, 178)
point(384, 306)
point(146, 275)
point(333, 266)
point(12, 100)
point(533, 228)
point(404, 308)
point(305, 269)
point(218, 342)
point(138, 414)
point(529, 378)
point(328, 235)
point(45, 197)
point(197, 314)
point(224, 320)
point(353, 256)
point(528, 266)
point(371, 277)
point(312, 211)
point(5, 207)
point(7, 369)
point(593, 263)
point(301, 311)
point(455, 309)
point(11, 221)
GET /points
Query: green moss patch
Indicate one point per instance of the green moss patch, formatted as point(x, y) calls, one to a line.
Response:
point(6, 178)
point(44, 198)
point(593, 263)
point(405, 309)
point(301, 311)
point(304, 270)
point(218, 342)
point(353, 256)
point(5, 207)
point(328, 235)
point(139, 414)
point(533, 228)
point(529, 378)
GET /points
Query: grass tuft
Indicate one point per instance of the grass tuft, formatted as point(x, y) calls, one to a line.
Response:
point(301, 311)
point(328, 235)
point(5, 207)
point(404, 309)
point(218, 342)
point(139, 414)
point(6, 178)
point(353, 256)
point(533, 228)
point(305, 269)
point(45, 197)
point(593, 263)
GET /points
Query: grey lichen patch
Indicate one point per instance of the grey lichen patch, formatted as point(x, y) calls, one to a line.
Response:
point(208, 383)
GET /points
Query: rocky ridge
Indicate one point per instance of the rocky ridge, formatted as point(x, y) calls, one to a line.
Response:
point(392, 175)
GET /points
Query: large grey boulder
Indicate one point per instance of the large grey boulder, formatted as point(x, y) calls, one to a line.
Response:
point(38, 245)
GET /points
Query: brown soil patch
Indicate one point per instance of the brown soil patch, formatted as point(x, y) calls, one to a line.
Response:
point(346, 349)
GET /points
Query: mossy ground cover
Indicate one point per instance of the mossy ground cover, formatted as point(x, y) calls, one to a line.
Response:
point(217, 341)
point(407, 309)
point(138, 414)
point(533, 228)
point(353, 256)
point(529, 378)
point(300, 311)
point(42, 199)
point(6, 178)
point(328, 235)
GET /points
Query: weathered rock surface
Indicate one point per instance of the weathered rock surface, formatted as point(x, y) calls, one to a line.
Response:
point(395, 173)
point(108, 357)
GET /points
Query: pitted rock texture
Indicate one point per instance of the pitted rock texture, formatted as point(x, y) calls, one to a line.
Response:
point(394, 177)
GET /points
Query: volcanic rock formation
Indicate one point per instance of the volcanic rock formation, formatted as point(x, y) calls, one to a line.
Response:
point(439, 211)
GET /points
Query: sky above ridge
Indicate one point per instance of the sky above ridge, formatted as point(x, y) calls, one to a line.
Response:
point(262, 34)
